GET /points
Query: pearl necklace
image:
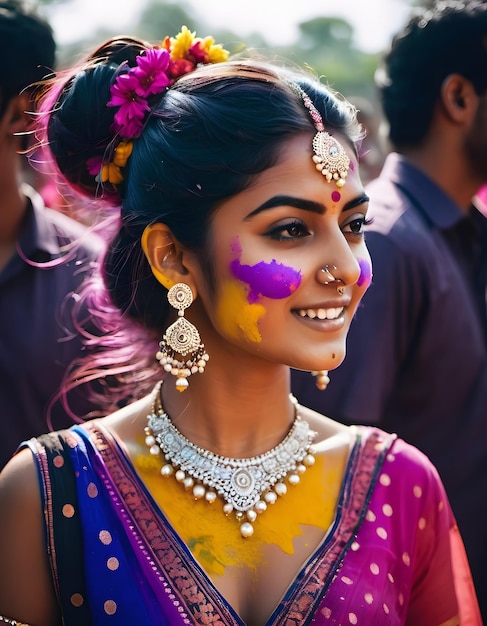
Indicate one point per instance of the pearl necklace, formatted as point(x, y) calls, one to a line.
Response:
point(246, 486)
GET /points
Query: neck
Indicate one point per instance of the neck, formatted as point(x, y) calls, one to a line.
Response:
point(233, 414)
point(449, 168)
point(12, 208)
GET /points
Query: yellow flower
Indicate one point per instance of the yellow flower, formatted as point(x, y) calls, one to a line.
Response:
point(122, 153)
point(111, 173)
point(182, 43)
point(216, 52)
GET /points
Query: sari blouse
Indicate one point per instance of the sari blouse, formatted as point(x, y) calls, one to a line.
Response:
point(393, 554)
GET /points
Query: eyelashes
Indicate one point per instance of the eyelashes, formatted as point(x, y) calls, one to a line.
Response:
point(294, 229)
point(297, 230)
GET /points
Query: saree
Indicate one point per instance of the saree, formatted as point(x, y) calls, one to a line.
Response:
point(393, 554)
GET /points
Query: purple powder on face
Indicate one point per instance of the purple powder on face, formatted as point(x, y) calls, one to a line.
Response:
point(335, 196)
point(365, 272)
point(271, 280)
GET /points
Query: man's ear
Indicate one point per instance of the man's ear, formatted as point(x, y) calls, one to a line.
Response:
point(165, 256)
point(16, 116)
point(459, 99)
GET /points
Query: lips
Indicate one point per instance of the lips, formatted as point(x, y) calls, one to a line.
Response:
point(321, 313)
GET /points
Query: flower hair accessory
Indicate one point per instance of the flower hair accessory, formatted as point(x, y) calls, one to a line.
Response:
point(329, 155)
point(155, 71)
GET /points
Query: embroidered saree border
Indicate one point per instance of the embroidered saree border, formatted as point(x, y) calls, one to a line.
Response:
point(198, 601)
point(309, 589)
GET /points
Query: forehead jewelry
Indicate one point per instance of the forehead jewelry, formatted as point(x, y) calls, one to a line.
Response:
point(247, 486)
point(329, 155)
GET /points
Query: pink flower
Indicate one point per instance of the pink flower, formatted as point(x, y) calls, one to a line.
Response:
point(151, 72)
point(129, 121)
point(132, 107)
point(93, 165)
point(123, 90)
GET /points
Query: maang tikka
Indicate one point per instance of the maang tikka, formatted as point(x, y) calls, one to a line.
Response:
point(182, 338)
point(329, 155)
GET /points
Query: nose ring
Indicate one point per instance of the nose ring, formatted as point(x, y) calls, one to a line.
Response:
point(329, 278)
point(326, 270)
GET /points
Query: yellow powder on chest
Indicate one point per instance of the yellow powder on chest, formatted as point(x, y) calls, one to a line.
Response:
point(215, 539)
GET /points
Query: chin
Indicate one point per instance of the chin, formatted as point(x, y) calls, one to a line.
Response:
point(331, 360)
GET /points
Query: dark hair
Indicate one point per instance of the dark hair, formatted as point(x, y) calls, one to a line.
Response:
point(205, 139)
point(449, 38)
point(27, 48)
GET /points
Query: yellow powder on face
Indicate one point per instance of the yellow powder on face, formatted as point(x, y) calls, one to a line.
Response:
point(236, 316)
point(215, 539)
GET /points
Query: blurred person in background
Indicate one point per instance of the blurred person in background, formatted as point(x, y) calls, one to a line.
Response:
point(40, 263)
point(417, 348)
point(373, 149)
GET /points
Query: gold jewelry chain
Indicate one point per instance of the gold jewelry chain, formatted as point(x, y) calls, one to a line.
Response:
point(246, 486)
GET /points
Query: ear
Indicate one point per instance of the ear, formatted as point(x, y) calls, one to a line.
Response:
point(459, 98)
point(166, 256)
point(16, 116)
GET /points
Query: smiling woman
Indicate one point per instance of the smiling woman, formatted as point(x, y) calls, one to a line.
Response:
point(214, 496)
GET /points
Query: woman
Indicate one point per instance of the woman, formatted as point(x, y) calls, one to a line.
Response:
point(215, 498)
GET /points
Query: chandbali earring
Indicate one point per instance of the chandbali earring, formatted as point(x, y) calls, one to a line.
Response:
point(322, 379)
point(182, 338)
point(326, 277)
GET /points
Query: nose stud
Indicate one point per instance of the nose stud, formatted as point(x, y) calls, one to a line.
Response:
point(326, 276)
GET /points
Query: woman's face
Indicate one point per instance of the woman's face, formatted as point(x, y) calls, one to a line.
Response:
point(269, 244)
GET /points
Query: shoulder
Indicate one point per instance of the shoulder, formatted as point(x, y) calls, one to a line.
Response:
point(325, 427)
point(21, 522)
point(414, 474)
point(27, 590)
point(394, 218)
point(18, 482)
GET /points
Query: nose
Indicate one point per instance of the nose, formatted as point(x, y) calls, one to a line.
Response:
point(340, 264)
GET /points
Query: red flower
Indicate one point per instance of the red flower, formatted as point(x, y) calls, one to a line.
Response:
point(179, 67)
point(199, 52)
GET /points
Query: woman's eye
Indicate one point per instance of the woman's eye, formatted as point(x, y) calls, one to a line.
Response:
point(356, 225)
point(290, 230)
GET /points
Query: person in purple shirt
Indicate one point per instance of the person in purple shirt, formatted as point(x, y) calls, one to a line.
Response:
point(44, 254)
point(416, 359)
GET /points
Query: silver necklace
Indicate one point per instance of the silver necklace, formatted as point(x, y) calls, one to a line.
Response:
point(246, 486)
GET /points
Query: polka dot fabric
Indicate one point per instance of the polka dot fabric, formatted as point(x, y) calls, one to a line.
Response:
point(398, 568)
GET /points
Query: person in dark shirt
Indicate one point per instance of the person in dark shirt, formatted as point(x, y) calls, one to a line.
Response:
point(44, 254)
point(416, 359)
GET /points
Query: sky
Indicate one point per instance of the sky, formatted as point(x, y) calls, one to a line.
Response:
point(374, 21)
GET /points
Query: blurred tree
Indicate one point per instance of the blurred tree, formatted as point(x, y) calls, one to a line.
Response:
point(325, 44)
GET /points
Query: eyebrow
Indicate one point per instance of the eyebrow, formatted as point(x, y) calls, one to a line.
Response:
point(305, 205)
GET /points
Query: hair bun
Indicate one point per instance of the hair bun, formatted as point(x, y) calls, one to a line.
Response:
point(79, 125)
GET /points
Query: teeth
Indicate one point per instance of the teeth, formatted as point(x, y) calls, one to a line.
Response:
point(321, 314)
